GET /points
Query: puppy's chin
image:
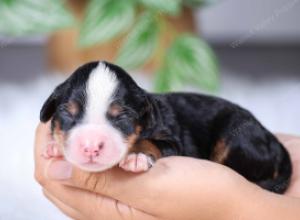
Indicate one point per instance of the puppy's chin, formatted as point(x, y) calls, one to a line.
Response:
point(94, 167)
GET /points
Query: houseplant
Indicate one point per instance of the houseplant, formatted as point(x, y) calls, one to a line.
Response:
point(134, 33)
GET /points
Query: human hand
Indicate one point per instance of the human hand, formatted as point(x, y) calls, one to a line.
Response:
point(172, 188)
point(292, 144)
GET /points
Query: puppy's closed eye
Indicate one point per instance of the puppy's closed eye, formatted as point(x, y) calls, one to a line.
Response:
point(67, 115)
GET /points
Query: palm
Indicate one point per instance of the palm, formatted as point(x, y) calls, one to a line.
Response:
point(293, 146)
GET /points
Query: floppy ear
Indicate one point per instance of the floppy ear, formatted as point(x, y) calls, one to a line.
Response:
point(155, 129)
point(152, 121)
point(149, 119)
point(52, 102)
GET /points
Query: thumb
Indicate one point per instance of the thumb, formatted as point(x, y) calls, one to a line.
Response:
point(59, 170)
point(114, 183)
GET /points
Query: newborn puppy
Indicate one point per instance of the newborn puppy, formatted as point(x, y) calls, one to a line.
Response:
point(100, 118)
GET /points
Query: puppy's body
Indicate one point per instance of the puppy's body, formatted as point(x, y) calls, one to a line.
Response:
point(224, 133)
point(101, 117)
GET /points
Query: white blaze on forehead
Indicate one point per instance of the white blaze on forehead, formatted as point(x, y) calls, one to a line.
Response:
point(100, 88)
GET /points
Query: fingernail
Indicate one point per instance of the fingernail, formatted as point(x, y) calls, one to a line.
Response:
point(59, 170)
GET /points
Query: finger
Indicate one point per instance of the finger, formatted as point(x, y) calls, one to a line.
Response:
point(294, 189)
point(91, 204)
point(114, 183)
point(70, 212)
point(292, 144)
point(42, 137)
point(287, 137)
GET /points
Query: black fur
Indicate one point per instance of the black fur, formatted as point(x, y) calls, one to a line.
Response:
point(183, 124)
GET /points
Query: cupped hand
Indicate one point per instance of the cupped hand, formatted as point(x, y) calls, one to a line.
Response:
point(292, 144)
point(174, 188)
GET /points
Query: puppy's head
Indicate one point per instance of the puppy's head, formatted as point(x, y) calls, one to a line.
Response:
point(97, 115)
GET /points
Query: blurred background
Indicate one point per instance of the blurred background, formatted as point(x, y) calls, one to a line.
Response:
point(245, 51)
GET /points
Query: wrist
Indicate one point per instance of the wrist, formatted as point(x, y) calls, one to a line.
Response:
point(233, 197)
point(254, 203)
point(246, 200)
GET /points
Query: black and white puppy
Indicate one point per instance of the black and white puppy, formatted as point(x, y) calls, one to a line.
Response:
point(100, 118)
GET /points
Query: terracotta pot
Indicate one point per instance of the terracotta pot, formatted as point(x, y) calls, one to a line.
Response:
point(64, 54)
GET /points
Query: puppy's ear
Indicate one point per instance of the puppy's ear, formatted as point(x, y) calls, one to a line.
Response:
point(155, 129)
point(149, 119)
point(52, 102)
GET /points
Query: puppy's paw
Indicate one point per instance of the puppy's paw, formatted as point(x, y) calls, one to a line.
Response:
point(51, 150)
point(137, 162)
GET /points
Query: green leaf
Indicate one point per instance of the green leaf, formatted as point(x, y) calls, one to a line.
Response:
point(23, 17)
point(189, 60)
point(162, 80)
point(105, 20)
point(166, 80)
point(197, 3)
point(8, 1)
point(140, 43)
point(172, 7)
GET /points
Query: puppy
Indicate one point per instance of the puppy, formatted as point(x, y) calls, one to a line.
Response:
point(101, 118)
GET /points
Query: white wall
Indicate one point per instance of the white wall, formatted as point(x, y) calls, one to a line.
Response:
point(251, 21)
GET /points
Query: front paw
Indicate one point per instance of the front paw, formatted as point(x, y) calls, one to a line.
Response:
point(137, 162)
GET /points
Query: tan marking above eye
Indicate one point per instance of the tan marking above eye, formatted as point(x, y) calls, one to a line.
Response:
point(114, 110)
point(73, 107)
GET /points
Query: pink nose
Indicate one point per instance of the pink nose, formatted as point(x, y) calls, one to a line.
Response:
point(92, 150)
